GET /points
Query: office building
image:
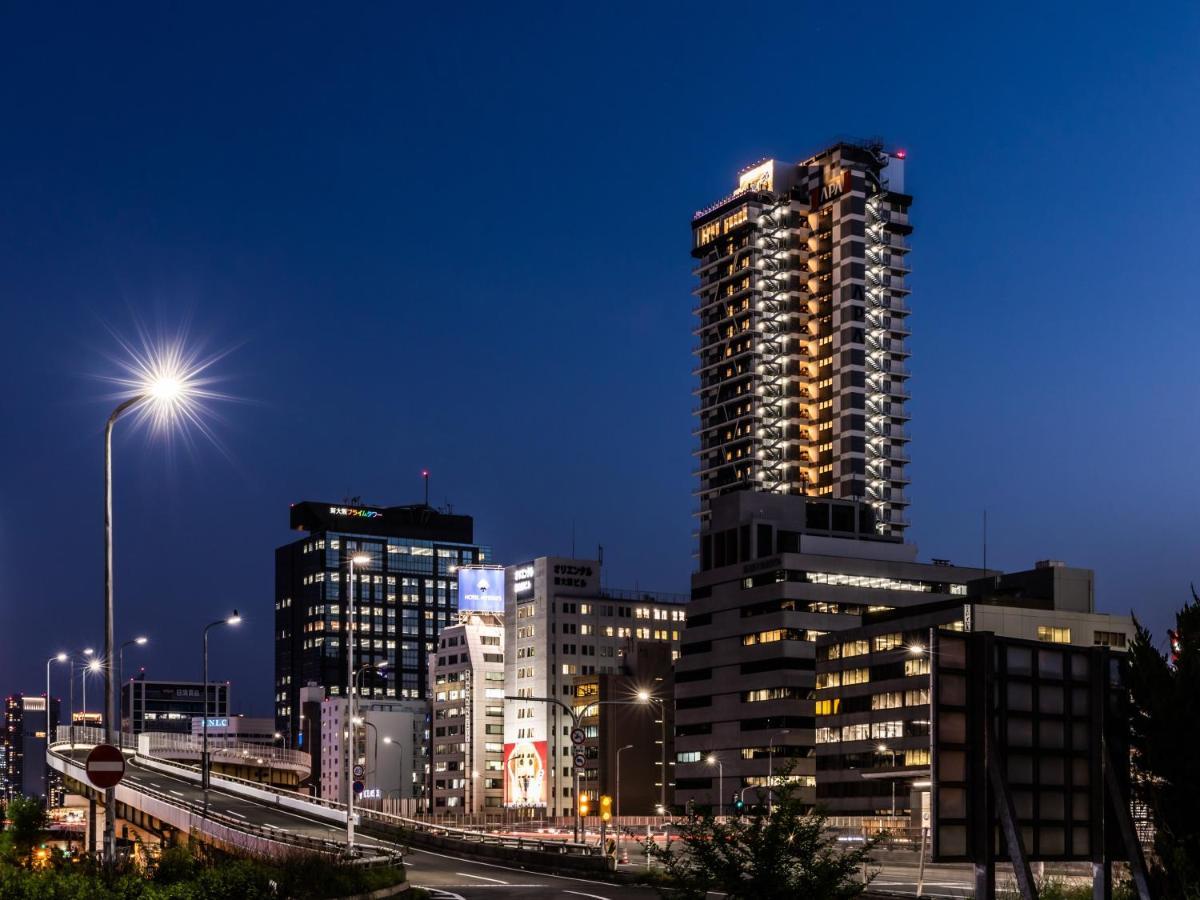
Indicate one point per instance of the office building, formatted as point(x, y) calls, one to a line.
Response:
point(802, 320)
point(468, 716)
point(776, 573)
point(170, 706)
point(627, 739)
point(872, 697)
point(561, 624)
point(391, 750)
point(404, 594)
point(23, 768)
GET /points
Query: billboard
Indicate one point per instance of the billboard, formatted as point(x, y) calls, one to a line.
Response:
point(481, 589)
point(1030, 750)
point(525, 774)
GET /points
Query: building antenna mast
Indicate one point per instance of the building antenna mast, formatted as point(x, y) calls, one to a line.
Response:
point(425, 476)
point(985, 540)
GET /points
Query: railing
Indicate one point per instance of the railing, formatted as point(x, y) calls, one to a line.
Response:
point(481, 836)
point(217, 825)
point(163, 744)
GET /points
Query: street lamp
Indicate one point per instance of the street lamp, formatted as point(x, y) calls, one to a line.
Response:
point(771, 770)
point(92, 665)
point(646, 697)
point(712, 760)
point(883, 748)
point(164, 386)
point(360, 559)
point(140, 641)
point(58, 657)
point(71, 690)
point(620, 750)
point(204, 762)
point(389, 741)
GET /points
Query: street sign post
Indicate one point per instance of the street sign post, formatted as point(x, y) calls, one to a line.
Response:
point(358, 787)
point(358, 771)
point(105, 766)
point(579, 760)
point(577, 736)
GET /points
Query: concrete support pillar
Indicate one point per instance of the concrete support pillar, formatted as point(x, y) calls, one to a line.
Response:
point(91, 825)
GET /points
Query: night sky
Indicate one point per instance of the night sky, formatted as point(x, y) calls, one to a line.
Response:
point(458, 238)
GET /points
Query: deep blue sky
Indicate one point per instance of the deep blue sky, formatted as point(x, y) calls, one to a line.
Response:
point(458, 238)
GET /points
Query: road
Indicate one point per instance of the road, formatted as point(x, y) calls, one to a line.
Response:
point(448, 877)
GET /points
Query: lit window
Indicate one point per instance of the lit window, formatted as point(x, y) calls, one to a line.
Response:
point(1053, 634)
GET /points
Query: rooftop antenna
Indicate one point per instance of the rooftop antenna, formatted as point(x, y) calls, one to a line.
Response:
point(985, 540)
point(572, 539)
point(425, 475)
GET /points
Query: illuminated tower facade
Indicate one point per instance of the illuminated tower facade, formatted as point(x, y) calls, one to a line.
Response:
point(802, 320)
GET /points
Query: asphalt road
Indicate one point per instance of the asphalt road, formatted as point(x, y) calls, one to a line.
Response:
point(448, 877)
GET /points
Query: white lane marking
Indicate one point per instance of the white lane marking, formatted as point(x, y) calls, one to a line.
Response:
point(606, 884)
point(232, 813)
point(176, 793)
point(582, 894)
point(485, 878)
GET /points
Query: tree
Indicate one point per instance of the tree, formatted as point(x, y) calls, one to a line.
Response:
point(27, 820)
point(788, 855)
point(1164, 739)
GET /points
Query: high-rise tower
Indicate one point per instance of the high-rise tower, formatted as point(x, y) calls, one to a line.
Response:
point(802, 323)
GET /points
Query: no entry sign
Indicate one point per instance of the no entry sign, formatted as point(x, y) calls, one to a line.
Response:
point(105, 766)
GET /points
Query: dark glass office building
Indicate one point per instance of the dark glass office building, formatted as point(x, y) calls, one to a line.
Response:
point(404, 594)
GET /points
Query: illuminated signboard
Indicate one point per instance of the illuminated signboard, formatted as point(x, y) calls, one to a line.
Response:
point(218, 723)
point(357, 513)
point(760, 178)
point(525, 774)
point(523, 581)
point(481, 589)
point(371, 794)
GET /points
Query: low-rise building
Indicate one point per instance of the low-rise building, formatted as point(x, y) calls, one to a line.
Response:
point(392, 741)
point(626, 738)
point(170, 706)
point(872, 693)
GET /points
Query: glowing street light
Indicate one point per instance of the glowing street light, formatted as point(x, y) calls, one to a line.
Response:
point(164, 385)
point(58, 657)
point(204, 761)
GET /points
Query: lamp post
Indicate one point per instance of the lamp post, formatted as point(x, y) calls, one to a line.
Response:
point(351, 706)
point(712, 760)
point(58, 657)
point(204, 761)
point(646, 697)
point(162, 384)
point(92, 665)
point(140, 641)
point(71, 689)
point(620, 750)
point(400, 752)
point(883, 748)
point(771, 770)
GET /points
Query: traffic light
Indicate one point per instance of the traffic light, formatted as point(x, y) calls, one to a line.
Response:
point(583, 805)
point(605, 807)
point(739, 805)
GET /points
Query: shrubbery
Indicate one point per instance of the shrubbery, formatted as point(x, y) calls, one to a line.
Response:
point(182, 874)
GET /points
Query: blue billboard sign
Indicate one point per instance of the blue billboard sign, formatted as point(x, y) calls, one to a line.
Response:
point(480, 589)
